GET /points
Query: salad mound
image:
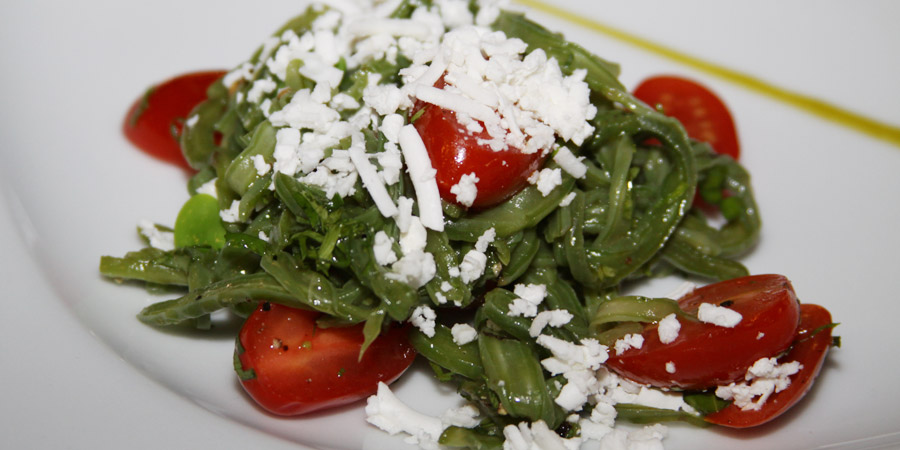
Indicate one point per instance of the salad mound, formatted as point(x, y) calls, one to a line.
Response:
point(451, 177)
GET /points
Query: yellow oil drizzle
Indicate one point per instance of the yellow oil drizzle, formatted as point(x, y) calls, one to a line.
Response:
point(811, 105)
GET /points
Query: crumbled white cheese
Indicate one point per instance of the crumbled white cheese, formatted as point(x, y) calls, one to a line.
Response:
point(336, 175)
point(163, 240)
point(370, 179)
point(537, 436)
point(529, 297)
point(414, 238)
point(263, 236)
point(522, 101)
point(414, 269)
point(384, 249)
point(629, 341)
point(404, 214)
point(465, 190)
point(423, 318)
point(391, 125)
point(287, 158)
point(765, 377)
point(577, 363)
point(546, 180)
point(472, 266)
point(387, 412)
point(446, 286)
point(486, 239)
point(260, 164)
point(343, 102)
point(385, 99)
point(463, 333)
point(647, 438)
point(553, 318)
point(615, 389)
point(304, 111)
point(465, 416)
point(570, 163)
point(422, 173)
point(670, 367)
point(718, 315)
point(242, 72)
point(391, 163)
point(260, 87)
point(668, 329)
point(232, 214)
point(567, 200)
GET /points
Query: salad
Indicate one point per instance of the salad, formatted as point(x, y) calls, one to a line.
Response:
point(451, 181)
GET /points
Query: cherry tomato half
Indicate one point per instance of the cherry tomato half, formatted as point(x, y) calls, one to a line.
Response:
point(706, 355)
point(151, 119)
point(809, 349)
point(455, 152)
point(299, 368)
point(704, 116)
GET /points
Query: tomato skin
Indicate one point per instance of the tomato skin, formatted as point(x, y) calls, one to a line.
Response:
point(707, 355)
point(704, 116)
point(809, 351)
point(149, 122)
point(300, 368)
point(454, 153)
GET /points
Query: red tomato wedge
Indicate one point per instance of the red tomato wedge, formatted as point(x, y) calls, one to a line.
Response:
point(153, 117)
point(454, 153)
point(299, 368)
point(706, 355)
point(704, 116)
point(810, 350)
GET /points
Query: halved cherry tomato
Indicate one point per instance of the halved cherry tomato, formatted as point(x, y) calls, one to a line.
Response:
point(704, 116)
point(455, 152)
point(706, 355)
point(809, 349)
point(298, 368)
point(152, 118)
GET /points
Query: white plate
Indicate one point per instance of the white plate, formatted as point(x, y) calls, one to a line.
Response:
point(78, 371)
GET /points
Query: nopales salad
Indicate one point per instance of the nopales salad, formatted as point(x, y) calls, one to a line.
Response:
point(447, 179)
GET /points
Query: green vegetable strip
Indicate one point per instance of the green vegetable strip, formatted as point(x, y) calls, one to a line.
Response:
point(524, 210)
point(573, 247)
point(242, 172)
point(371, 330)
point(634, 308)
point(458, 437)
point(198, 141)
point(440, 349)
point(561, 295)
point(514, 374)
point(398, 297)
point(683, 256)
point(496, 309)
point(651, 230)
point(646, 414)
point(310, 289)
point(521, 258)
point(619, 192)
point(445, 257)
point(149, 264)
point(244, 289)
